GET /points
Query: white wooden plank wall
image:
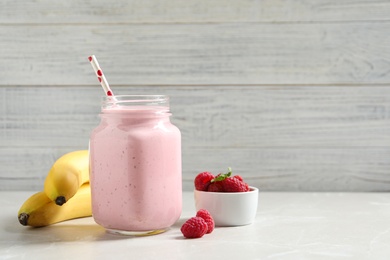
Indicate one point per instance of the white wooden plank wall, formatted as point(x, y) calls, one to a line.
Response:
point(292, 94)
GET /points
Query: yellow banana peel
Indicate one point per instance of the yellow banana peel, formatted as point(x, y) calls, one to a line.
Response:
point(39, 210)
point(66, 176)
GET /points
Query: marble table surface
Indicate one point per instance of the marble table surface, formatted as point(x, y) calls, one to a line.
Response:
point(287, 226)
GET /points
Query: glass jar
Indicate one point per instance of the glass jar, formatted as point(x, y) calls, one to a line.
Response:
point(135, 171)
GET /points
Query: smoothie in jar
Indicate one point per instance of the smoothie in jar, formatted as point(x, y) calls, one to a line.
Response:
point(135, 156)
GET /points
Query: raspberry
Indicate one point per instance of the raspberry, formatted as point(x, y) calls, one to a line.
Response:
point(223, 182)
point(202, 181)
point(238, 177)
point(208, 218)
point(215, 187)
point(195, 227)
point(234, 185)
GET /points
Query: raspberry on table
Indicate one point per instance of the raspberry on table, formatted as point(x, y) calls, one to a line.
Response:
point(203, 213)
point(194, 227)
point(203, 180)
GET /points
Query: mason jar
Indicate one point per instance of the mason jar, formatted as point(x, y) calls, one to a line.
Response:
point(135, 166)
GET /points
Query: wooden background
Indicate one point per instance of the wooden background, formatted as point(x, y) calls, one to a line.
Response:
point(294, 95)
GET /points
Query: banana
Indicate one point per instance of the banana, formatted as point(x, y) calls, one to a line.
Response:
point(66, 176)
point(39, 210)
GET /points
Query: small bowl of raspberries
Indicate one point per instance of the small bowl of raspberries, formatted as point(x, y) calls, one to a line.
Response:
point(229, 199)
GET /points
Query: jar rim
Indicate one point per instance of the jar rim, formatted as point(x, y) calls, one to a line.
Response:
point(135, 100)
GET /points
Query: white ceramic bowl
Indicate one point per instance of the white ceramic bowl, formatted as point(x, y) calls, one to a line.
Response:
point(229, 208)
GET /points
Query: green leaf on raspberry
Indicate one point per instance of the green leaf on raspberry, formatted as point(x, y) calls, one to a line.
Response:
point(222, 176)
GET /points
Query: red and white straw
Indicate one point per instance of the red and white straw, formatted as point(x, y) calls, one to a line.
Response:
point(99, 73)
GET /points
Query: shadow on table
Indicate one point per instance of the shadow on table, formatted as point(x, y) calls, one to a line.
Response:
point(83, 229)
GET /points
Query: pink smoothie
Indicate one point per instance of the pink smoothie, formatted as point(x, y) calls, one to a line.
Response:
point(136, 169)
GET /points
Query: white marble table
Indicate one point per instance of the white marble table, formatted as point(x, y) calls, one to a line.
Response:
point(287, 226)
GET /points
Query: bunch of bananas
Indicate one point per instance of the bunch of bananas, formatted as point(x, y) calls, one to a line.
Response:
point(66, 194)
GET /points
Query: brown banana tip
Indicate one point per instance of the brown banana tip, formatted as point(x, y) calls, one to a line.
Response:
point(23, 218)
point(60, 200)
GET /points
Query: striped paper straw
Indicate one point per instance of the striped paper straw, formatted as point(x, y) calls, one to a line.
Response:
point(99, 73)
